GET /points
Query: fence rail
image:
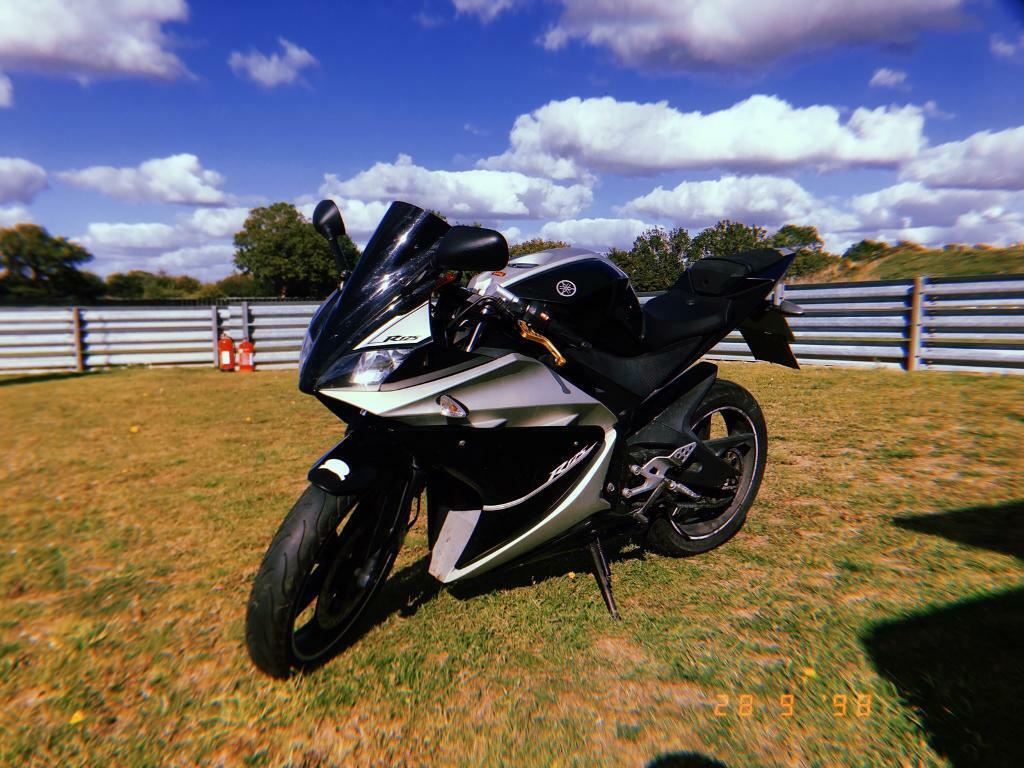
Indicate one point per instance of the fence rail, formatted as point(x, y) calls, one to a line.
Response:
point(957, 324)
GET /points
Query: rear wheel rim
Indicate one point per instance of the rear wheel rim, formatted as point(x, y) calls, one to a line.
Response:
point(349, 567)
point(741, 448)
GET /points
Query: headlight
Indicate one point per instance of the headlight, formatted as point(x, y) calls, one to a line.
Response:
point(374, 366)
point(363, 370)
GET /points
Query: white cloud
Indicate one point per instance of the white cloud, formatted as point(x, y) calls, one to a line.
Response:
point(197, 228)
point(911, 204)
point(486, 10)
point(216, 222)
point(20, 180)
point(767, 201)
point(197, 243)
point(14, 215)
point(175, 179)
point(86, 39)
point(888, 78)
point(731, 34)
point(273, 70)
point(6, 91)
point(565, 139)
point(1006, 48)
point(984, 160)
point(596, 234)
point(146, 236)
point(205, 262)
point(464, 195)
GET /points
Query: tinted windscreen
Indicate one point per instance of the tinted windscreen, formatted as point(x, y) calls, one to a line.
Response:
point(388, 280)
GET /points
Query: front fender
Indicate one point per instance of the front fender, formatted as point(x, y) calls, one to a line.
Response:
point(354, 464)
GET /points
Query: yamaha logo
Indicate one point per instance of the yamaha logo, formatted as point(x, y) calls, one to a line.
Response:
point(566, 288)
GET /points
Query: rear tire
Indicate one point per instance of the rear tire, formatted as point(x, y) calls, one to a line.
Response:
point(314, 570)
point(668, 537)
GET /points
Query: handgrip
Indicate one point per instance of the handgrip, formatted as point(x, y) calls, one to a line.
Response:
point(564, 332)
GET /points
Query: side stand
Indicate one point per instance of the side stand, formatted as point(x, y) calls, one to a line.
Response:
point(603, 574)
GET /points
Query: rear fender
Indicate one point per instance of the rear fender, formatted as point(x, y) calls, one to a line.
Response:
point(768, 335)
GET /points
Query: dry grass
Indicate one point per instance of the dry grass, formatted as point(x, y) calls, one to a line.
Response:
point(889, 500)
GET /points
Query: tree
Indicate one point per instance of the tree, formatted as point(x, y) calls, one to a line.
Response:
point(234, 285)
point(140, 284)
point(285, 255)
point(727, 238)
point(866, 250)
point(656, 258)
point(34, 265)
point(536, 245)
point(811, 255)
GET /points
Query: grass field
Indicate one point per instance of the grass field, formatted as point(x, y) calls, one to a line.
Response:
point(869, 614)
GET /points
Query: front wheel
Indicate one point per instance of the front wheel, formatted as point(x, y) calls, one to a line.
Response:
point(729, 421)
point(327, 560)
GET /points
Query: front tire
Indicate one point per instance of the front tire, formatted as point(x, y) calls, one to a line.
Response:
point(323, 567)
point(673, 534)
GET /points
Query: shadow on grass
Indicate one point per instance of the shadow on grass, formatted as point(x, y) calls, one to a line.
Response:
point(999, 527)
point(408, 589)
point(10, 381)
point(685, 760)
point(962, 666)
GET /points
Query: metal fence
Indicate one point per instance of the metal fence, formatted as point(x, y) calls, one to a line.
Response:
point(961, 324)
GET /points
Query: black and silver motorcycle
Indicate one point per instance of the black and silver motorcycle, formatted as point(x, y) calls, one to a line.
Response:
point(542, 408)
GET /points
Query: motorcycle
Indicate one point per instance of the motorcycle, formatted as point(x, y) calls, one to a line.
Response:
point(541, 408)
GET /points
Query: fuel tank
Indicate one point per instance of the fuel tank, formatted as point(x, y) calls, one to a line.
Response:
point(580, 288)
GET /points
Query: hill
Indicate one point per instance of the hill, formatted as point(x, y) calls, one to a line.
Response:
point(907, 260)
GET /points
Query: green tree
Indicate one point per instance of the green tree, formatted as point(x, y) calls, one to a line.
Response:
point(232, 286)
point(727, 238)
point(34, 265)
point(285, 255)
point(866, 250)
point(536, 245)
point(811, 255)
point(140, 284)
point(656, 258)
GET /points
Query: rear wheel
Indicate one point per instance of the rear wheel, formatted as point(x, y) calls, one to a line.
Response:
point(327, 560)
point(729, 421)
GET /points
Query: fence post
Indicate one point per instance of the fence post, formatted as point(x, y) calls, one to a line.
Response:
point(245, 321)
point(76, 325)
point(215, 331)
point(914, 323)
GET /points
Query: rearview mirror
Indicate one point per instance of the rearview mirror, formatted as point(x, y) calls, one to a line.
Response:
point(327, 220)
point(473, 249)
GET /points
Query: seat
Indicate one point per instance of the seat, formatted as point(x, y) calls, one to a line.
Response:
point(720, 276)
point(678, 314)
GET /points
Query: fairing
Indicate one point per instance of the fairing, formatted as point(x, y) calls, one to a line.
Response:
point(393, 276)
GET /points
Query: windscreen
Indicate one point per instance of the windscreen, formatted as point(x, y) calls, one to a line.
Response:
point(389, 279)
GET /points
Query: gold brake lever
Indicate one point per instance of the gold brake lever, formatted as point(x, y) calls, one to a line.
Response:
point(531, 335)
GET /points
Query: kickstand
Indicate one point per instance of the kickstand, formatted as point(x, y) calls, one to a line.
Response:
point(603, 574)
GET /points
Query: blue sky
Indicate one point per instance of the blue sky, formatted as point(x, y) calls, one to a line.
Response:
point(146, 130)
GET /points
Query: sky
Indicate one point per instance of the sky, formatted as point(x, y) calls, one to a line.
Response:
point(146, 130)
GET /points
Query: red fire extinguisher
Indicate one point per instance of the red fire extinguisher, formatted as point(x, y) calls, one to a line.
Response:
point(245, 356)
point(225, 353)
